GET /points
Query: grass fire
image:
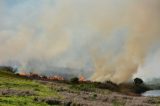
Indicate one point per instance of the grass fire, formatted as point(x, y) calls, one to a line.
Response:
point(79, 52)
point(56, 90)
point(47, 78)
point(41, 77)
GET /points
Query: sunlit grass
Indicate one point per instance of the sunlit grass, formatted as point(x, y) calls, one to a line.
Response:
point(19, 101)
point(11, 81)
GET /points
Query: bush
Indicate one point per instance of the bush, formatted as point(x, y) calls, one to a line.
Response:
point(138, 81)
point(139, 86)
point(74, 80)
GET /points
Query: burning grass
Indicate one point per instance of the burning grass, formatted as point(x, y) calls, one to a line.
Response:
point(36, 90)
point(84, 85)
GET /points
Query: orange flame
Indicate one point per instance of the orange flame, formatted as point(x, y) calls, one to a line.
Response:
point(33, 75)
point(81, 79)
point(56, 78)
point(23, 74)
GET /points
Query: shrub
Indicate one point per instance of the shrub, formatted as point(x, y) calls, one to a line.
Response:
point(138, 81)
point(74, 80)
point(139, 86)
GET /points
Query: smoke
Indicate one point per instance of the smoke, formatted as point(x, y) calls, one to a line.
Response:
point(143, 20)
point(109, 39)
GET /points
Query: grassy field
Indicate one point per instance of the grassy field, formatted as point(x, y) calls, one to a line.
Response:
point(16, 91)
point(20, 91)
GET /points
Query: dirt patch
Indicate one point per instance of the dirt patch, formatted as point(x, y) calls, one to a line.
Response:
point(11, 92)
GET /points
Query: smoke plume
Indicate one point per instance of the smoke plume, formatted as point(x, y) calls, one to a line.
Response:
point(109, 39)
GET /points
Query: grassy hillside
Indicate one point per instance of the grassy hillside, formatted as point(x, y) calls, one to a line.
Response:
point(21, 91)
point(16, 91)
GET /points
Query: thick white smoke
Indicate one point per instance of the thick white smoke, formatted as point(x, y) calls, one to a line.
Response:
point(110, 37)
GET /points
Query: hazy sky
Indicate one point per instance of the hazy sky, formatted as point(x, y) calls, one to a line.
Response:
point(111, 38)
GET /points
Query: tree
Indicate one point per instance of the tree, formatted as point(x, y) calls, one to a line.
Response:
point(140, 87)
point(138, 81)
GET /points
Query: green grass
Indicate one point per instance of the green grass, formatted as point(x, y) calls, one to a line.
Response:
point(117, 103)
point(11, 81)
point(19, 101)
point(83, 87)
